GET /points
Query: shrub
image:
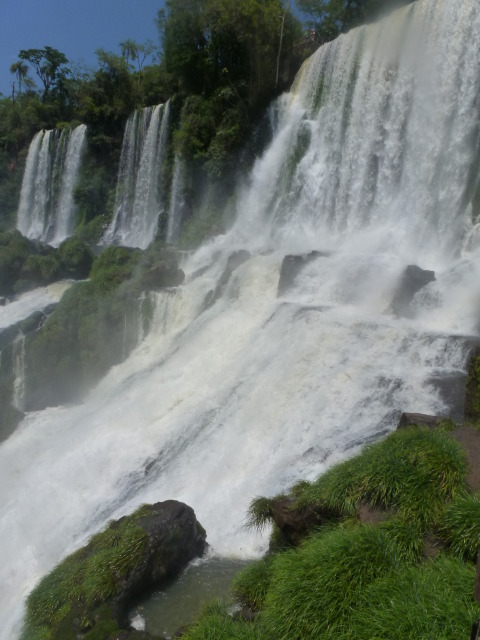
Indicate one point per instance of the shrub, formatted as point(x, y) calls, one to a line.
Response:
point(433, 600)
point(216, 624)
point(250, 586)
point(460, 526)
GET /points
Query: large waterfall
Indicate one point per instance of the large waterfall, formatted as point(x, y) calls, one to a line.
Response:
point(47, 210)
point(374, 164)
point(140, 198)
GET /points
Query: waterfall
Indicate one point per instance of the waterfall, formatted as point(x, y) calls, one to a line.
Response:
point(19, 372)
point(177, 201)
point(46, 210)
point(373, 164)
point(140, 197)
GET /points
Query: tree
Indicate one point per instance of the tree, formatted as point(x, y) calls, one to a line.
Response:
point(329, 18)
point(48, 64)
point(20, 69)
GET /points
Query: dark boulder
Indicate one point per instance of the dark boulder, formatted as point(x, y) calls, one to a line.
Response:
point(132, 635)
point(292, 266)
point(159, 269)
point(414, 278)
point(129, 558)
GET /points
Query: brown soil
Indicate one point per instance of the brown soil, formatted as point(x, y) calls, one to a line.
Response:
point(469, 438)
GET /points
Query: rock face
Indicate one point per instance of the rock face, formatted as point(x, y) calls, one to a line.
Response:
point(292, 266)
point(234, 261)
point(414, 278)
point(133, 555)
point(419, 420)
point(294, 523)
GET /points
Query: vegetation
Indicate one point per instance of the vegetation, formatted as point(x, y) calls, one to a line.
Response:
point(352, 580)
point(85, 581)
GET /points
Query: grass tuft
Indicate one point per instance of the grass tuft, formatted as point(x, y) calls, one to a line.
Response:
point(460, 526)
point(250, 586)
point(259, 513)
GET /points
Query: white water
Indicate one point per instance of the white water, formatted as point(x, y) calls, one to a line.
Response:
point(46, 210)
point(27, 303)
point(255, 392)
point(140, 200)
point(177, 201)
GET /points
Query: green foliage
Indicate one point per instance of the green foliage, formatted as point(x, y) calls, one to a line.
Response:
point(259, 513)
point(329, 18)
point(251, 585)
point(433, 600)
point(460, 526)
point(85, 580)
point(413, 471)
point(38, 271)
point(14, 252)
point(75, 257)
point(314, 588)
point(113, 266)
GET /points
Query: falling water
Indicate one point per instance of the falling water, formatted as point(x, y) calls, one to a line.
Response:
point(177, 201)
point(46, 210)
point(19, 372)
point(140, 200)
point(374, 164)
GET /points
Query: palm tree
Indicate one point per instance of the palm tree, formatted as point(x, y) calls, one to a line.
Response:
point(20, 69)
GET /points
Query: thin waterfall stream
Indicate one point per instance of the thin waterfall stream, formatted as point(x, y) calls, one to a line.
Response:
point(371, 167)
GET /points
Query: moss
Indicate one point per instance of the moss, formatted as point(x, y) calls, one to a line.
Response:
point(69, 598)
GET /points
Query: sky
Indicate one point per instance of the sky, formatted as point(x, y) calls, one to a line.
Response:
point(76, 28)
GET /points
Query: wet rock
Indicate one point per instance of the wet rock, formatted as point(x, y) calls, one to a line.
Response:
point(472, 392)
point(294, 523)
point(371, 515)
point(414, 278)
point(234, 261)
point(451, 388)
point(133, 555)
point(419, 420)
point(292, 265)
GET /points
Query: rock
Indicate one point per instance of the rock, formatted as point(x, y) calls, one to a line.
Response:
point(234, 261)
point(472, 391)
point(134, 554)
point(295, 524)
point(3, 301)
point(162, 275)
point(414, 278)
point(292, 266)
point(419, 420)
point(371, 515)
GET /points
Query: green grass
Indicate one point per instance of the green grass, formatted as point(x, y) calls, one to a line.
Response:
point(216, 624)
point(251, 585)
point(460, 526)
point(87, 578)
point(413, 471)
point(314, 588)
point(426, 602)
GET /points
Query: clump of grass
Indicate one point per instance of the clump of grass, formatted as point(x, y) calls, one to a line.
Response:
point(313, 588)
point(250, 586)
point(259, 513)
point(216, 624)
point(413, 471)
point(432, 600)
point(86, 578)
point(460, 526)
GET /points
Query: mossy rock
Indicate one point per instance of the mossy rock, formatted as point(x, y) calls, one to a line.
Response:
point(90, 591)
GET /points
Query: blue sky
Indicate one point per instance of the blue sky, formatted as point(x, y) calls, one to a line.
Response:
point(77, 28)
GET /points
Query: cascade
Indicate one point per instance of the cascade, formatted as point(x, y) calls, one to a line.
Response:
point(373, 163)
point(140, 197)
point(19, 372)
point(46, 210)
point(177, 201)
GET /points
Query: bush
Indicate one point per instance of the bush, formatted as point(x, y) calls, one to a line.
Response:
point(75, 258)
point(413, 471)
point(433, 600)
point(460, 526)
